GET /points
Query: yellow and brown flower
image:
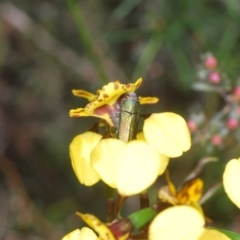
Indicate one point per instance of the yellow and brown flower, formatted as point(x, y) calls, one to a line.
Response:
point(106, 103)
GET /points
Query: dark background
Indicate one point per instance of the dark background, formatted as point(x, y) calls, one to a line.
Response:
point(49, 47)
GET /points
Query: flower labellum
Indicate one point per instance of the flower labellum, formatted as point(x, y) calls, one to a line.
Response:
point(80, 149)
point(84, 234)
point(178, 223)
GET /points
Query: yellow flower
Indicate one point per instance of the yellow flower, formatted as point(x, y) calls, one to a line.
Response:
point(83, 234)
point(122, 165)
point(181, 223)
point(190, 193)
point(106, 103)
point(231, 181)
point(168, 133)
point(80, 149)
point(130, 167)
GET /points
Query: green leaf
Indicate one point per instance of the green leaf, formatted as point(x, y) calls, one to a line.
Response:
point(142, 217)
point(148, 54)
point(86, 38)
point(232, 235)
point(124, 8)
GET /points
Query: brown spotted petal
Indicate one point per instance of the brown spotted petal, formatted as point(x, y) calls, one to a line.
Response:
point(106, 104)
point(111, 93)
point(84, 94)
point(99, 227)
point(191, 192)
point(148, 100)
point(79, 112)
point(105, 112)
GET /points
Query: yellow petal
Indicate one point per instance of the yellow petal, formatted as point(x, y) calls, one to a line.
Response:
point(103, 159)
point(79, 112)
point(171, 187)
point(83, 234)
point(210, 234)
point(74, 235)
point(166, 196)
point(102, 112)
point(231, 181)
point(80, 149)
point(110, 94)
point(163, 165)
point(140, 136)
point(87, 234)
point(164, 159)
point(104, 105)
point(137, 168)
point(177, 223)
point(191, 191)
point(99, 227)
point(168, 133)
point(84, 94)
point(148, 100)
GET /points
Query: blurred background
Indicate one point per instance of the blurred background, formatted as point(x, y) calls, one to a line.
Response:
point(48, 48)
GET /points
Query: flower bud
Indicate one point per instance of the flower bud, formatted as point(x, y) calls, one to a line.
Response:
point(236, 93)
point(214, 77)
point(237, 110)
point(211, 62)
point(232, 123)
point(121, 229)
point(216, 140)
point(192, 125)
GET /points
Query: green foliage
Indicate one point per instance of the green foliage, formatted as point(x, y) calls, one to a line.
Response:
point(142, 217)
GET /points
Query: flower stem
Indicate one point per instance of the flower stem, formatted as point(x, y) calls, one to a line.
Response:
point(120, 201)
point(110, 204)
point(110, 209)
point(144, 200)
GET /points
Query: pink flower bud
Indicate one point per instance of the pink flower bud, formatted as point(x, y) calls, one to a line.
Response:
point(214, 77)
point(236, 93)
point(192, 125)
point(211, 62)
point(238, 111)
point(232, 123)
point(216, 140)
